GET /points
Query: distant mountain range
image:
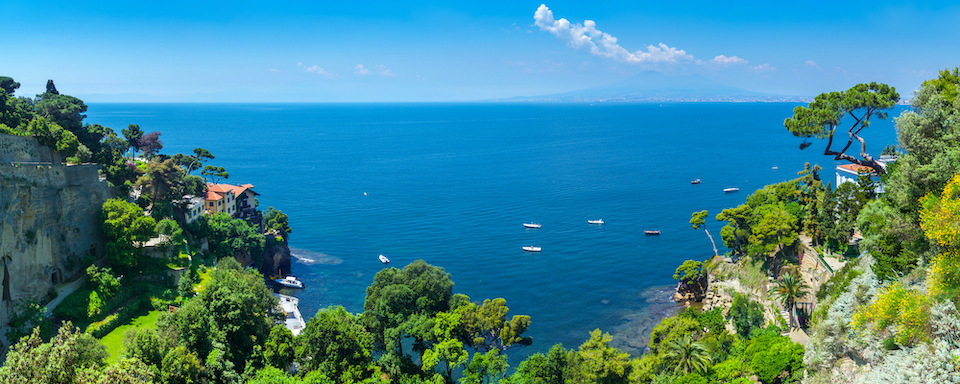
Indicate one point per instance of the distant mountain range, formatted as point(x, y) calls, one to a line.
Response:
point(651, 86)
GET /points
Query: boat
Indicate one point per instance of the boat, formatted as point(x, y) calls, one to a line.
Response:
point(774, 167)
point(531, 249)
point(290, 282)
point(531, 225)
point(728, 190)
point(598, 221)
point(384, 259)
point(654, 232)
point(697, 181)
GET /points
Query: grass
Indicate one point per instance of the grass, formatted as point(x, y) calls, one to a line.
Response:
point(114, 340)
point(204, 278)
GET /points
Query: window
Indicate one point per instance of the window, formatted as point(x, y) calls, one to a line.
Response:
point(211, 203)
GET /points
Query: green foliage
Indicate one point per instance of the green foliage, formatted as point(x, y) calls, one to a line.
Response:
point(688, 271)
point(487, 327)
point(789, 289)
point(230, 318)
point(823, 116)
point(230, 237)
point(947, 84)
point(597, 362)
point(279, 351)
point(180, 366)
point(774, 358)
point(747, 315)
point(672, 328)
point(69, 357)
point(24, 316)
point(275, 220)
point(124, 223)
point(214, 173)
point(102, 280)
point(485, 367)
point(542, 369)
point(336, 345)
point(51, 134)
point(686, 355)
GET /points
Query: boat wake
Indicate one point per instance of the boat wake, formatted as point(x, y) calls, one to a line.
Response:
point(308, 257)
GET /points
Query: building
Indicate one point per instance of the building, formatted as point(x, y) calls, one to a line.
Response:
point(850, 172)
point(237, 201)
point(219, 198)
point(193, 208)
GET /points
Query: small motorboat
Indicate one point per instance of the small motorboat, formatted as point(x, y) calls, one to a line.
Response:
point(652, 232)
point(728, 190)
point(697, 181)
point(775, 167)
point(598, 221)
point(531, 249)
point(531, 225)
point(290, 282)
point(384, 259)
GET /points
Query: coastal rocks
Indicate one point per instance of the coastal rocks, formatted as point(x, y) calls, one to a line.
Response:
point(276, 256)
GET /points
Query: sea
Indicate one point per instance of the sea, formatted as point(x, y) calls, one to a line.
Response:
point(452, 184)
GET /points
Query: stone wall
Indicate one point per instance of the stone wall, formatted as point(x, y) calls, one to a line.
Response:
point(48, 219)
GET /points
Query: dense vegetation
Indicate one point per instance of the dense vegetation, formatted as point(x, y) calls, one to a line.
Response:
point(889, 315)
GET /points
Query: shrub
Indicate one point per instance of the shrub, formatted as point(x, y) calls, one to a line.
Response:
point(905, 309)
point(94, 304)
point(74, 306)
point(746, 315)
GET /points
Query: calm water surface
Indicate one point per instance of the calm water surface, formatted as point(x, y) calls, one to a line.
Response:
point(452, 184)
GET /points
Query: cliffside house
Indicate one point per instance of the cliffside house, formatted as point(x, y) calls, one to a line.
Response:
point(237, 201)
point(849, 172)
point(193, 208)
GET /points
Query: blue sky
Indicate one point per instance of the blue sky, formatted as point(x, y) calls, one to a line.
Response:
point(454, 51)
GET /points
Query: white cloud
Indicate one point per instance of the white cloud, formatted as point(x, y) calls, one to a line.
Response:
point(765, 67)
point(319, 71)
point(603, 44)
point(275, 70)
point(360, 70)
point(810, 63)
point(383, 71)
point(724, 60)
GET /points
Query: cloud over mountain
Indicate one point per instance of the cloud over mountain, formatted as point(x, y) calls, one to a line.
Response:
point(599, 43)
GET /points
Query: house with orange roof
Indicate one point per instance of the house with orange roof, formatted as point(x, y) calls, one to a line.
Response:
point(237, 201)
point(848, 173)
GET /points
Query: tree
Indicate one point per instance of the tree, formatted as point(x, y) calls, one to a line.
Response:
point(597, 362)
point(279, 351)
point(63, 360)
point(746, 315)
point(51, 89)
point(180, 366)
point(540, 369)
point(51, 134)
point(697, 222)
point(447, 348)
point(8, 85)
point(335, 344)
point(150, 143)
point(24, 316)
point(788, 290)
point(775, 229)
point(172, 231)
point(228, 236)
point(823, 117)
point(691, 277)
point(737, 230)
point(164, 181)
point(487, 327)
point(133, 133)
point(124, 225)
point(947, 84)
point(214, 173)
point(687, 355)
point(277, 221)
point(228, 321)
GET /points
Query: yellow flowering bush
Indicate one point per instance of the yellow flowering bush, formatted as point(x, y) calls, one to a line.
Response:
point(905, 309)
point(940, 216)
point(944, 278)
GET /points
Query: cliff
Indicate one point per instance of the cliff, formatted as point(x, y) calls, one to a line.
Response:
point(48, 219)
point(276, 257)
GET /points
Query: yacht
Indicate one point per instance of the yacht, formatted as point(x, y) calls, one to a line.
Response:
point(290, 282)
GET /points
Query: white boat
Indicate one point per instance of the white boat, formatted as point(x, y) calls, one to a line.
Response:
point(652, 232)
point(384, 259)
point(728, 190)
point(531, 249)
point(290, 282)
point(598, 221)
point(531, 225)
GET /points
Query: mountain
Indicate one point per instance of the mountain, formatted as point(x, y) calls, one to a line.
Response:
point(655, 86)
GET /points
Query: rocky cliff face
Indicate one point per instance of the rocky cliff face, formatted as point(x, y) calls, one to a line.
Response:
point(48, 219)
point(276, 257)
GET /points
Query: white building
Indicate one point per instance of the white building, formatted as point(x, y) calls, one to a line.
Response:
point(850, 172)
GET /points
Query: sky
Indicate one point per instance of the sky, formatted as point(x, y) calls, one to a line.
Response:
point(414, 51)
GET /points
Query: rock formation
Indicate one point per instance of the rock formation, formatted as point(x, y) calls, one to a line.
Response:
point(48, 219)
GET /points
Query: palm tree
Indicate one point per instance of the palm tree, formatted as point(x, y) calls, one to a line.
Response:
point(788, 289)
point(688, 355)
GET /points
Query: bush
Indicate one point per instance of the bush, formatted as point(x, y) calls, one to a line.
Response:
point(94, 304)
point(746, 315)
point(101, 328)
point(74, 306)
point(905, 309)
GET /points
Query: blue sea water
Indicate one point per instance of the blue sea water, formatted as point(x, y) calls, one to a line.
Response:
point(452, 184)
